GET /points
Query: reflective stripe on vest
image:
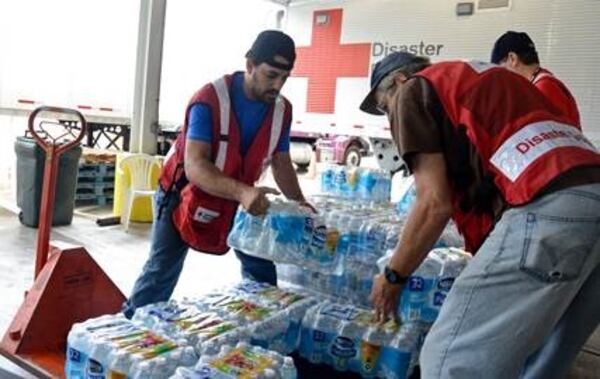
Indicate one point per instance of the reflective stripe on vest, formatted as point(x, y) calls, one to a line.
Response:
point(224, 109)
point(530, 143)
point(276, 126)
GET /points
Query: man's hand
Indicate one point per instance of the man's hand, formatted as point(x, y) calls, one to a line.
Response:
point(254, 199)
point(385, 297)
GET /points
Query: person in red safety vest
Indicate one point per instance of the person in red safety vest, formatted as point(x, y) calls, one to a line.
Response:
point(234, 128)
point(523, 186)
point(516, 52)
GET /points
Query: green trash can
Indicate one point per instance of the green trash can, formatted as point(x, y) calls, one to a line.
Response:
point(30, 178)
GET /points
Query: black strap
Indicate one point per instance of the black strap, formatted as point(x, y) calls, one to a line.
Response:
point(175, 187)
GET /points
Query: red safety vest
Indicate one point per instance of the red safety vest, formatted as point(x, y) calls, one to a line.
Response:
point(204, 220)
point(558, 94)
point(521, 144)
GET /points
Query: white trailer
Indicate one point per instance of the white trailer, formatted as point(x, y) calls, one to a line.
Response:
point(340, 41)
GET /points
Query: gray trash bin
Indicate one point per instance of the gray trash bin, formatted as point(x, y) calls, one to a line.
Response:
point(30, 177)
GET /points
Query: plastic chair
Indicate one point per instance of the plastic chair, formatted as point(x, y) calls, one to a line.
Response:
point(140, 167)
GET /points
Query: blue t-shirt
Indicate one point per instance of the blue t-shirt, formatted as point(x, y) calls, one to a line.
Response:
point(250, 115)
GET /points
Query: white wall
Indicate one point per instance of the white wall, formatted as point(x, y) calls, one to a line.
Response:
point(205, 39)
point(68, 52)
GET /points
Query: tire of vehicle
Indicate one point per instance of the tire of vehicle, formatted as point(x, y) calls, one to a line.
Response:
point(352, 156)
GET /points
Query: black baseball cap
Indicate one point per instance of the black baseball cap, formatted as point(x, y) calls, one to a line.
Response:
point(272, 43)
point(385, 66)
point(517, 42)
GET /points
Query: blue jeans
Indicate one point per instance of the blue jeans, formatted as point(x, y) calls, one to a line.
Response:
point(528, 300)
point(167, 255)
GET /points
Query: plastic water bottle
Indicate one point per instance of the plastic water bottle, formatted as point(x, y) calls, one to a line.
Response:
point(253, 235)
point(382, 188)
point(318, 241)
point(341, 181)
point(450, 237)
point(393, 236)
point(288, 369)
point(365, 283)
point(332, 235)
point(328, 179)
point(352, 181)
point(405, 204)
point(77, 352)
point(291, 232)
point(366, 185)
point(312, 339)
point(373, 341)
point(343, 241)
point(399, 358)
point(419, 289)
point(350, 332)
point(454, 262)
point(234, 239)
point(307, 237)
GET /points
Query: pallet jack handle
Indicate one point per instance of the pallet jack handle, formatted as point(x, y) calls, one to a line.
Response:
point(54, 149)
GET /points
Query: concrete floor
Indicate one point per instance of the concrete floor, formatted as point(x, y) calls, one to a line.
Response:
point(122, 255)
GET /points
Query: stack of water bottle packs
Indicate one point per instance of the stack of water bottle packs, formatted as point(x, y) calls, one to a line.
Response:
point(356, 183)
point(162, 336)
point(246, 330)
point(113, 346)
point(342, 231)
point(345, 338)
point(333, 251)
point(254, 312)
point(240, 361)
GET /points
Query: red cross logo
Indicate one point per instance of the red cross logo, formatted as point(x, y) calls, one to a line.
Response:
point(326, 60)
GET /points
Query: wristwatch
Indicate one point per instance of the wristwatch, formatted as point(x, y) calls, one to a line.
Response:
point(393, 277)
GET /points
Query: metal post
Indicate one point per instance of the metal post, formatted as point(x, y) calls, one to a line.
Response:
point(147, 76)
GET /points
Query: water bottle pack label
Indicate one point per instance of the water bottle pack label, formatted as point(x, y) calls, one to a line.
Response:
point(75, 366)
point(308, 230)
point(75, 356)
point(417, 299)
point(319, 237)
point(416, 284)
point(438, 298)
point(94, 369)
point(343, 348)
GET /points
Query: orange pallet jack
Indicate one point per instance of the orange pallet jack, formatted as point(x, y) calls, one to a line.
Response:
point(69, 285)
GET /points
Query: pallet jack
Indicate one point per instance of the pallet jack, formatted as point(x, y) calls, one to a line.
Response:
point(69, 286)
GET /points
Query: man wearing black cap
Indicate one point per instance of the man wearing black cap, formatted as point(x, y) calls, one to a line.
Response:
point(516, 52)
point(234, 127)
point(523, 187)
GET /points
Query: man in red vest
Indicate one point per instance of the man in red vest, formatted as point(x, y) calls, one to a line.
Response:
point(523, 186)
point(234, 127)
point(516, 52)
